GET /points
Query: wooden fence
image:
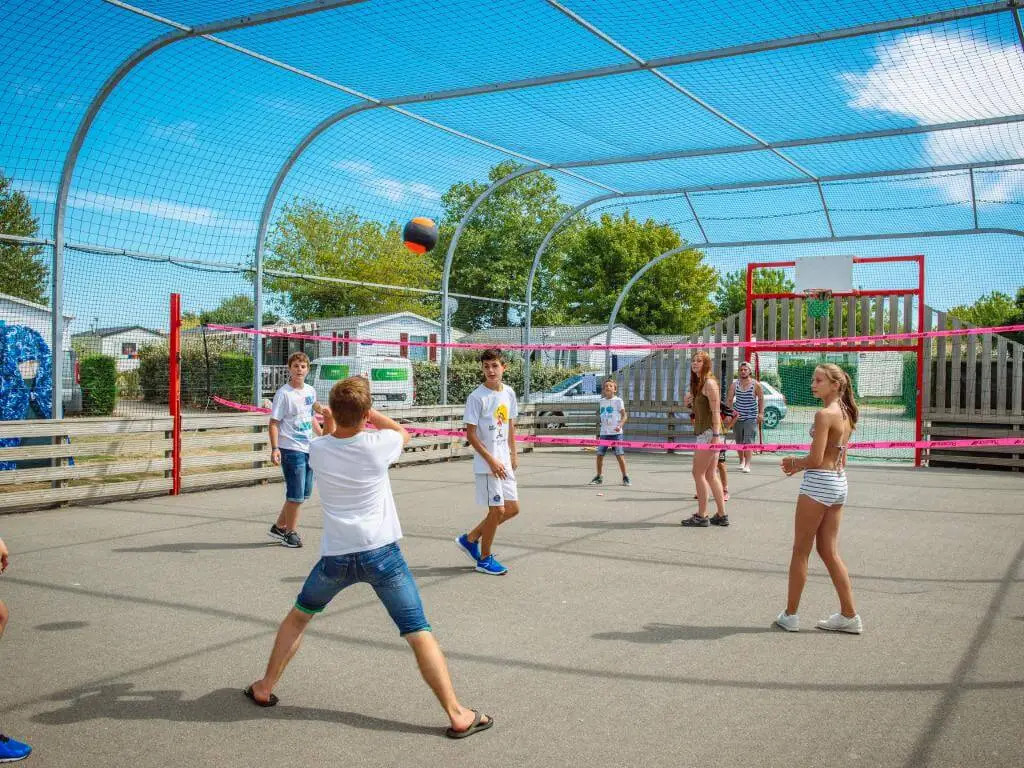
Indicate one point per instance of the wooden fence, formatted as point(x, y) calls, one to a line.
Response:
point(76, 461)
point(974, 388)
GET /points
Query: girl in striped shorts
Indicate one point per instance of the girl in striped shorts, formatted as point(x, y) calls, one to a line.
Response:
point(819, 506)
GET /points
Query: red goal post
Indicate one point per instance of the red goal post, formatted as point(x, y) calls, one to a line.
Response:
point(861, 346)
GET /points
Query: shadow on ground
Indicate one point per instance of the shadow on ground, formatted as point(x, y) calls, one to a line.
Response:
point(120, 701)
point(191, 547)
point(669, 633)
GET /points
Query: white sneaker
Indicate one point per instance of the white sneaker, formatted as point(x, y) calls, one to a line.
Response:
point(745, 468)
point(790, 623)
point(839, 623)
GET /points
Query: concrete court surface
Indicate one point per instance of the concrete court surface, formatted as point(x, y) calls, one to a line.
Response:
point(617, 639)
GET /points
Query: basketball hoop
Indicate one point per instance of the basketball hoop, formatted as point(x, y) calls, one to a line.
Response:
point(819, 300)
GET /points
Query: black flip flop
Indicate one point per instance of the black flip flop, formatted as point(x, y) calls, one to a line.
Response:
point(250, 695)
point(475, 727)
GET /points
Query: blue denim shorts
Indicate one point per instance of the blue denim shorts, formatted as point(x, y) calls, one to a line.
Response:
point(298, 475)
point(603, 449)
point(384, 569)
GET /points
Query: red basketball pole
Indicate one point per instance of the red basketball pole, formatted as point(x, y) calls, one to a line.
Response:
point(920, 359)
point(174, 392)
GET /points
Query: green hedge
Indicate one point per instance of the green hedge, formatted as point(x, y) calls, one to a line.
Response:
point(909, 394)
point(795, 380)
point(222, 371)
point(464, 376)
point(99, 385)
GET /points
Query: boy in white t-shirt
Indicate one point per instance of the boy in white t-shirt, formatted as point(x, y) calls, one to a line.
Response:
point(360, 544)
point(491, 411)
point(292, 427)
point(612, 414)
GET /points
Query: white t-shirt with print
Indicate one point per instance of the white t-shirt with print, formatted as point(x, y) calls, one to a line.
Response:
point(355, 490)
point(293, 408)
point(611, 414)
point(490, 411)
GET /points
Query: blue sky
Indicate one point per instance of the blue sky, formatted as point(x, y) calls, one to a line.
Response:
point(181, 155)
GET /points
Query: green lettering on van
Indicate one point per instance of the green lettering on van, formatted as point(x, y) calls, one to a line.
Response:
point(334, 372)
point(389, 374)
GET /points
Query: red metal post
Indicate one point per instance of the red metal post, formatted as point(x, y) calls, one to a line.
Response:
point(174, 392)
point(920, 359)
point(748, 320)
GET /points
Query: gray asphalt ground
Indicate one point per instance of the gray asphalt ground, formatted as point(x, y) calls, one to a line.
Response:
point(617, 639)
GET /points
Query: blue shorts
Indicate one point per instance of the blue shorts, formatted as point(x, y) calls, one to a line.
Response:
point(298, 475)
point(384, 569)
point(603, 449)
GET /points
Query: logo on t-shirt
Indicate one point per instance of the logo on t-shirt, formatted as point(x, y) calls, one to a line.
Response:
point(501, 415)
point(496, 497)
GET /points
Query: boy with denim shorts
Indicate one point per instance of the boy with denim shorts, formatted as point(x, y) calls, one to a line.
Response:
point(360, 544)
point(11, 751)
point(292, 427)
point(612, 417)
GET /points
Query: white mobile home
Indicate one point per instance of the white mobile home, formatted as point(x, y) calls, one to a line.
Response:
point(15, 311)
point(123, 343)
point(582, 335)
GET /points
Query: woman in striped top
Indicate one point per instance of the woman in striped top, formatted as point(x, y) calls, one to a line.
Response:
point(819, 506)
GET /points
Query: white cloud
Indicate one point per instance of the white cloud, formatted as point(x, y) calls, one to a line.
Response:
point(184, 132)
point(155, 207)
point(935, 77)
point(389, 188)
point(354, 167)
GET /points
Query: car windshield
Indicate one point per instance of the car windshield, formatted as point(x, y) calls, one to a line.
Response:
point(566, 384)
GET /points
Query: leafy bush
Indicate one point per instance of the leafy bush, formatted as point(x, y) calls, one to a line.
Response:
point(795, 380)
point(128, 385)
point(219, 370)
point(909, 392)
point(99, 385)
point(464, 376)
point(772, 378)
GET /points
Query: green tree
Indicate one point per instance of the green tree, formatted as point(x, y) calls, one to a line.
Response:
point(311, 239)
point(239, 309)
point(497, 246)
point(673, 297)
point(22, 272)
point(731, 294)
point(994, 308)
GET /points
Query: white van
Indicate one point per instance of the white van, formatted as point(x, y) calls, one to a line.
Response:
point(391, 380)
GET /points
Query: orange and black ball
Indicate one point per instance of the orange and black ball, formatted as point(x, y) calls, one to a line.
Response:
point(420, 235)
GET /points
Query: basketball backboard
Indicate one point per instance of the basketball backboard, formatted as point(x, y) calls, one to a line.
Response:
point(832, 272)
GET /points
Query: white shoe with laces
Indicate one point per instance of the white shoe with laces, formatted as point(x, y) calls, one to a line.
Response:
point(788, 622)
point(839, 623)
point(745, 468)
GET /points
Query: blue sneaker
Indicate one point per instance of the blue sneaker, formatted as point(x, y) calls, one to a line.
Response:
point(491, 566)
point(471, 548)
point(12, 751)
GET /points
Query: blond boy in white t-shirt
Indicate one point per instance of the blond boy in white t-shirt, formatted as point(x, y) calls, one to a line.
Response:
point(360, 545)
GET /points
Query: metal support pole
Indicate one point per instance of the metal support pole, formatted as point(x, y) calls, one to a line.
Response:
point(450, 255)
point(57, 327)
point(625, 290)
point(824, 207)
point(696, 218)
point(974, 199)
point(533, 275)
